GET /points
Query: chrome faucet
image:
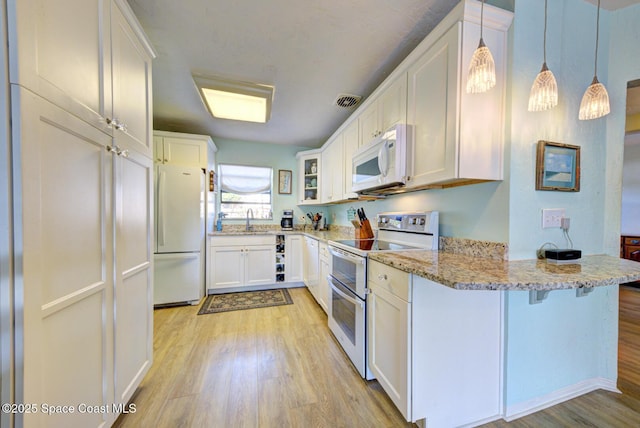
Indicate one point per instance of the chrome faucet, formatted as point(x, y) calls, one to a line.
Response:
point(249, 227)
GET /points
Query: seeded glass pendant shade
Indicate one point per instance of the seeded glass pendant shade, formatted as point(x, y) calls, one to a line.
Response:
point(482, 70)
point(544, 91)
point(595, 101)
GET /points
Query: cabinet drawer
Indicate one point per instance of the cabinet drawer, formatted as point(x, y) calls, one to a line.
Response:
point(632, 252)
point(631, 240)
point(324, 252)
point(393, 280)
point(242, 240)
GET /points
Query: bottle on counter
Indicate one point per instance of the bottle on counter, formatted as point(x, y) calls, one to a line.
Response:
point(219, 222)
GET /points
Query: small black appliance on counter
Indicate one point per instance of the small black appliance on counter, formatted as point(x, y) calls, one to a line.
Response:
point(287, 220)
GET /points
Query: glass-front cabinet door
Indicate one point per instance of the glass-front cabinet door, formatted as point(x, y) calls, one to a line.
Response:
point(309, 183)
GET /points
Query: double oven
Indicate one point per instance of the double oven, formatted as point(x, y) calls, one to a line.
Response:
point(347, 306)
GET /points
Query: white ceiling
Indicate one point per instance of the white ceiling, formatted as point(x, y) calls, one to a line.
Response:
point(310, 50)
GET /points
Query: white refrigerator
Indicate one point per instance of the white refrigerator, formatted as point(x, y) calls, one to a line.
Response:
point(179, 234)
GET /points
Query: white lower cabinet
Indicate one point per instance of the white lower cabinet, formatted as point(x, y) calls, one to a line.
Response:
point(294, 258)
point(241, 261)
point(389, 330)
point(435, 350)
point(311, 265)
point(325, 269)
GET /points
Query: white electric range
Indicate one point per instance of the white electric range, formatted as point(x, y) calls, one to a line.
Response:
point(402, 231)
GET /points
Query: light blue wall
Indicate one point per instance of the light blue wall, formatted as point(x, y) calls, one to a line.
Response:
point(558, 343)
point(566, 340)
point(276, 156)
point(479, 211)
point(570, 56)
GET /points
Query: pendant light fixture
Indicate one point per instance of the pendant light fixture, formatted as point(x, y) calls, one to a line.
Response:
point(595, 101)
point(544, 91)
point(482, 70)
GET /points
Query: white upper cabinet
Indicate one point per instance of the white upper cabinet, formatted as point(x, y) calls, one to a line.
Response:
point(309, 171)
point(386, 110)
point(181, 149)
point(89, 57)
point(62, 52)
point(350, 139)
point(131, 107)
point(331, 178)
point(458, 137)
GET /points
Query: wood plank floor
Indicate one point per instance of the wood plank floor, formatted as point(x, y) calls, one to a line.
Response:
point(267, 367)
point(281, 367)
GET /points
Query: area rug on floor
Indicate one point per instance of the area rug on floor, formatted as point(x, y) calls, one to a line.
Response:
point(245, 300)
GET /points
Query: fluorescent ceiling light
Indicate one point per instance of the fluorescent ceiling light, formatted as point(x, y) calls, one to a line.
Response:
point(227, 99)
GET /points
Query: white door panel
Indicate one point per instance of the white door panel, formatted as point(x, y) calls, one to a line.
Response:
point(179, 209)
point(176, 278)
point(134, 284)
point(64, 175)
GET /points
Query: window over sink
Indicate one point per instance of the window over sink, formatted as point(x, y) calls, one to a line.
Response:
point(244, 188)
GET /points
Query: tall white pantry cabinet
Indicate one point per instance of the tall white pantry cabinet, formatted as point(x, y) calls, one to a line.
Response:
point(81, 181)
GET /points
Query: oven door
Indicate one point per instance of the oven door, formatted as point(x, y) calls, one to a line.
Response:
point(350, 270)
point(347, 323)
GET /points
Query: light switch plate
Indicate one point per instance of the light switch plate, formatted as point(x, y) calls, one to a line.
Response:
point(552, 217)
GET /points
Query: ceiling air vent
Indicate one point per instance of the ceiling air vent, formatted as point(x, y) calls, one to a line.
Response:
point(347, 101)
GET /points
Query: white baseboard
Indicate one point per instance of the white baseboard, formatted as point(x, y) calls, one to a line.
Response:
point(255, 287)
point(539, 403)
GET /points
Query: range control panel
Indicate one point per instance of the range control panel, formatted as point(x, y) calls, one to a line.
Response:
point(416, 222)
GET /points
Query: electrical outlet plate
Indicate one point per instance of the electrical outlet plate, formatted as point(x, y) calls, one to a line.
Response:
point(552, 217)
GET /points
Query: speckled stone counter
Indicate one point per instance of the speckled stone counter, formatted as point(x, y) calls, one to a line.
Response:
point(321, 235)
point(464, 272)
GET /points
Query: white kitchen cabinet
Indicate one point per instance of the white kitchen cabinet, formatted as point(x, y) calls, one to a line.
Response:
point(94, 63)
point(131, 107)
point(310, 179)
point(332, 177)
point(65, 272)
point(175, 148)
point(294, 258)
point(350, 142)
point(133, 334)
point(325, 270)
point(389, 333)
point(388, 109)
point(64, 57)
point(82, 205)
point(458, 137)
point(436, 351)
point(241, 261)
point(311, 257)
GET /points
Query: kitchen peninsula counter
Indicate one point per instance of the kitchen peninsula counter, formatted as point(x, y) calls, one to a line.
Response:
point(467, 272)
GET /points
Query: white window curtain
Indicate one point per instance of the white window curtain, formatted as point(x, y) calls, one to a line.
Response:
point(245, 180)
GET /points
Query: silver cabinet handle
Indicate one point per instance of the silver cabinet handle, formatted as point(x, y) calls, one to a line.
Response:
point(124, 153)
point(382, 277)
point(112, 149)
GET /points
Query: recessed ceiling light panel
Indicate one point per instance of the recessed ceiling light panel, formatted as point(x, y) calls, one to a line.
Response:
point(235, 100)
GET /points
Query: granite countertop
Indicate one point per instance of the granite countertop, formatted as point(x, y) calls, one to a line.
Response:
point(322, 235)
point(465, 272)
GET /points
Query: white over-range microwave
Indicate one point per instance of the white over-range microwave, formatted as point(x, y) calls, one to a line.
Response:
point(383, 164)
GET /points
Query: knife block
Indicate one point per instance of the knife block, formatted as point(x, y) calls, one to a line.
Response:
point(364, 231)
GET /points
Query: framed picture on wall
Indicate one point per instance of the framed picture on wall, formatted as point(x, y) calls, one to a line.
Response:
point(284, 181)
point(557, 167)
